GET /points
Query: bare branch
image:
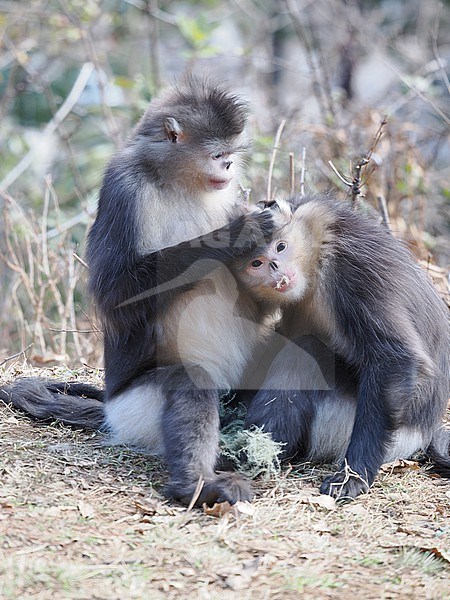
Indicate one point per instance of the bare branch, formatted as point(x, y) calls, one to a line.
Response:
point(434, 41)
point(382, 207)
point(291, 174)
point(422, 96)
point(22, 352)
point(347, 183)
point(80, 260)
point(52, 126)
point(302, 175)
point(272, 159)
point(357, 171)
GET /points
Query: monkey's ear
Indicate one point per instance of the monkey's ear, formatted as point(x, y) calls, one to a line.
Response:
point(173, 129)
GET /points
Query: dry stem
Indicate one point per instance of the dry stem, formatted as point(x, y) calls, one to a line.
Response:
point(272, 159)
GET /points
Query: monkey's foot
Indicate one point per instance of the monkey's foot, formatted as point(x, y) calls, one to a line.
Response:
point(344, 485)
point(224, 487)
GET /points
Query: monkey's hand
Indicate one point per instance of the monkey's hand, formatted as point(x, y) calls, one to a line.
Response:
point(224, 487)
point(345, 484)
point(249, 232)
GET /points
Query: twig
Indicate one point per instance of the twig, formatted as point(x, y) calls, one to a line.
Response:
point(348, 183)
point(196, 494)
point(8, 358)
point(24, 219)
point(152, 6)
point(356, 182)
point(85, 364)
point(310, 55)
point(291, 174)
point(421, 95)
point(377, 137)
point(434, 41)
point(272, 160)
point(57, 330)
point(62, 113)
point(382, 207)
point(358, 170)
point(72, 222)
point(70, 304)
point(95, 329)
point(80, 260)
point(245, 193)
point(302, 174)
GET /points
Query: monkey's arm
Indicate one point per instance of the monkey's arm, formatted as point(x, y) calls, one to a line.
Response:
point(163, 273)
point(388, 377)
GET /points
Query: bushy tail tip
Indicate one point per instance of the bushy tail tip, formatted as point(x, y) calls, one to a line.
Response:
point(72, 403)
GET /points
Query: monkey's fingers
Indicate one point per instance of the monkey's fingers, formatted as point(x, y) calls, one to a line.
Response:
point(344, 485)
point(253, 232)
point(225, 487)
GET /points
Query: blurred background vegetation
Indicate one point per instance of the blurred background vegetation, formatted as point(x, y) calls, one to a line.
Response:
point(75, 75)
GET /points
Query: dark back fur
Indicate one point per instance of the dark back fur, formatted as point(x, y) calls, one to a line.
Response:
point(367, 263)
point(386, 309)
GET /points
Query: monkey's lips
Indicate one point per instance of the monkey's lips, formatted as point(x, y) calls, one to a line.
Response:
point(284, 283)
point(219, 184)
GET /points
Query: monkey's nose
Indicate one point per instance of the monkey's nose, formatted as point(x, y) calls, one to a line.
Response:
point(273, 265)
point(228, 164)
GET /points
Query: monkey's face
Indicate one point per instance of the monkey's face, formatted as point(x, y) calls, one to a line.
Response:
point(273, 276)
point(201, 167)
point(219, 170)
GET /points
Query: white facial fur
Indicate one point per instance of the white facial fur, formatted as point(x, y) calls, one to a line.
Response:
point(275, 276)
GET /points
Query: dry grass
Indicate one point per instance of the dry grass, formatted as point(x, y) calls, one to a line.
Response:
point(81, 520)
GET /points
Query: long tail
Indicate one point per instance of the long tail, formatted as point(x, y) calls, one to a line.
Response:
point(77, 404)
point(439, 452)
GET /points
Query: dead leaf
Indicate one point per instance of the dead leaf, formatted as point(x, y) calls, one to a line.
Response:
point(217, 510)
point(323, 501)
point(86, 510)
point(223, 508)
point(48, 359)
point(147, 507)
point(441, 553)
point(399, 465)
point(244, 508)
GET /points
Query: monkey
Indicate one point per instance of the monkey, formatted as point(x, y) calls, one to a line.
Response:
point(364, 376)
point(176, 329)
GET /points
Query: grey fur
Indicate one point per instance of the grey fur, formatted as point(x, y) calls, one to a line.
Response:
point(357, 289)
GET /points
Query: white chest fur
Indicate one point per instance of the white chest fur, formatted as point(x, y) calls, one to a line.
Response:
point(171, 216)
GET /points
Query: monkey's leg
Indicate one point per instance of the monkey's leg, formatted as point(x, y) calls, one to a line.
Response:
point(286, 415)
point(301, 374)
point(191, 439)
point(384, 386)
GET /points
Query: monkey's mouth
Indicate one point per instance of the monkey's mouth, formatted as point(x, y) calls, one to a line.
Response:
point(283, 284)
point(219, 184)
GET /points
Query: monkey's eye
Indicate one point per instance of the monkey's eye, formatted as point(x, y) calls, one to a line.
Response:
point(256, 264)
point(281, 247)
point(218, 155)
